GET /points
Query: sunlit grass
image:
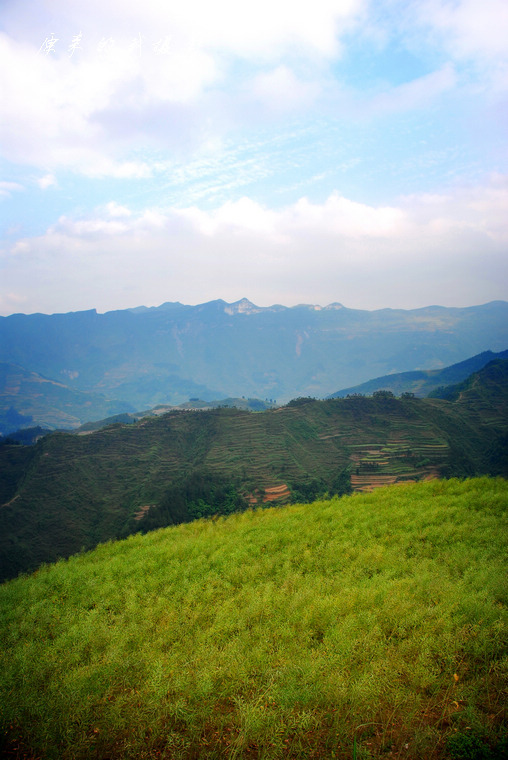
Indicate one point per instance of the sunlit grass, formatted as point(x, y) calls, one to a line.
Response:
point(368, 624)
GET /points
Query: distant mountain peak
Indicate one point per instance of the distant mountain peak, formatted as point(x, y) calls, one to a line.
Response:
point(316, 307)
point(243, 306)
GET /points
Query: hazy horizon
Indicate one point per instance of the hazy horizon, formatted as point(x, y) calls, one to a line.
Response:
point(316, 306)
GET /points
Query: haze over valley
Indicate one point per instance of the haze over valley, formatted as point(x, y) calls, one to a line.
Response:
point(63, 370)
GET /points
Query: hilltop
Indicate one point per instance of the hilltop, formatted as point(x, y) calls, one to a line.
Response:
point(70, 492)
point(194, 404)
point(371, 626)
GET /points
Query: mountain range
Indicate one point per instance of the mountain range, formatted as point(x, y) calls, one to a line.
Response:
point(63, 370)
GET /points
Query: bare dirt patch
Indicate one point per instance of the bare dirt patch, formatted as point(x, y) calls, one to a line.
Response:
point(270, 493)
point(142, 511)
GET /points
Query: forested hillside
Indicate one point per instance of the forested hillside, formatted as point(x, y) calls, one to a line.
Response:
point(423, 382)
point(70, 492)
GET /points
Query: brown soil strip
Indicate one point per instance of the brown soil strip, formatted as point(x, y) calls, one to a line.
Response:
point(142, 511)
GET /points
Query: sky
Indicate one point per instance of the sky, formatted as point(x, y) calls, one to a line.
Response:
point(350, 151)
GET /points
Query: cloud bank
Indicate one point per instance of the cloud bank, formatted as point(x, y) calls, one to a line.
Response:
point(363, 256)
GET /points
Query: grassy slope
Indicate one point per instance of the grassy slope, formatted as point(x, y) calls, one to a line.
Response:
point(378, 619)
point(73, 492)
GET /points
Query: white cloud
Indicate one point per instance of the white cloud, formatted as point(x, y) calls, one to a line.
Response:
point(151, 72)
point(418, 93)
point(250, 29)
point(422, 250)
point(280, 90)
point(469, 29)
point(7, 188)
point(343, 217)
point(115, 209)
point(469, 33)
point(97, 166)
point(48, 180)
point(84, 228)
point(242, 216)
point(44, 114)
point(477, 210)
point(175, 77)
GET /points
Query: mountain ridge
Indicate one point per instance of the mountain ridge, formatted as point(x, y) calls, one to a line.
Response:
point(423, 382)
point(167, 354)
point(244, 300)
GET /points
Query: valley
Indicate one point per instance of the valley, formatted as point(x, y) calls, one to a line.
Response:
point(63, 370)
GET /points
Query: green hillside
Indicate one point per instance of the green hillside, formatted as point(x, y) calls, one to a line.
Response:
point(425, 381)
point(70, 492)
point(371, 626)
point(474, 387)
point(194, 404)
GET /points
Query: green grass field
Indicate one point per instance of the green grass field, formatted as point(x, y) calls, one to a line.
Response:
point(371, 626)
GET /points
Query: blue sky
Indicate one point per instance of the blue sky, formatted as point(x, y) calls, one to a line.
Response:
point(334, 150)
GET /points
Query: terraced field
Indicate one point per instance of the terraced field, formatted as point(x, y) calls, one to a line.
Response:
point(280, 494)
point(402, 460)
point(401, 446)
